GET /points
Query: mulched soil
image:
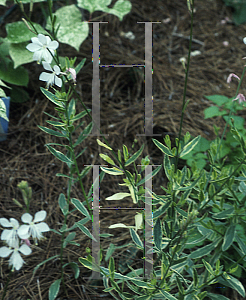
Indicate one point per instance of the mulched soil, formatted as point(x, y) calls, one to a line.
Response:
point(24, 156)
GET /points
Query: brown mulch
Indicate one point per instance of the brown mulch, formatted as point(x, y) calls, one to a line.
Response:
point(23, 155)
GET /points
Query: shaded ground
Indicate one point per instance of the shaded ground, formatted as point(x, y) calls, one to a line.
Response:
point(23, 155)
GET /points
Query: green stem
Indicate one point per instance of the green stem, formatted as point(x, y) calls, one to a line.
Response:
point(185, 88)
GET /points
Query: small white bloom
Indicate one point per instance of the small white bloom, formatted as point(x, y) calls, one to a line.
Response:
point(34, 230)
point(15, 260)
point(244, 40)
point(40, 46)
point(73, 74)
point(11, 236)
point(51, 78)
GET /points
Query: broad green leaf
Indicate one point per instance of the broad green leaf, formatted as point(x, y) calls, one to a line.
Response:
point(85, 231)
point(189, 147)
point(74, 267)
point(118, 196)
point(213, 111)
point(80, 206)
point(136, 238)
point(112, 171)
point(71, 29)
point(158, 234)
point(63, 204)
point(242, 187)
point(51, 97)
point(229, 237)
point(19, 54)
point(120, 8)
point(17, 32)
point(107, 158)
point(18, 76)
point(203, 251)
point(54, 289)
point(103, 145)
point(51, 132)
point(163, 148)
point(241, 244)
point(59, 155)
point(218, 99)
point(134, 156)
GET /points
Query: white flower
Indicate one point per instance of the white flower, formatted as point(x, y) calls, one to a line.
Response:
point(34, 230)
point(15, 260)
point(43, 47)
point(11, 236)
point(51, 78)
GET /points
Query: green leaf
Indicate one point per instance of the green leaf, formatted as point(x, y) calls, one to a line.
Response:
point(151, 175)
point(158, 234)
point(134, 156)
point(229, 237)
point(208, 267)
point(45, 261)
point(52, 97)
point(163, 148)
point(51, 132)
point(110, 251)
point(54, 289)
point(189, 147)
point(136, 238)
point(213, 111)
point(218, 99)
point(63, 204)
point(234, 283)
point(19, 54)
point(18, 76)
point(85, 231)
point(204, 250)
point(216, 296)
point(120, 8)
point(59, 155)
point(225, 214)
point(88, 264)
point(74, 267)
point(84, 134)
point(71, 29)
point(112, 171)
point(107, 158)
point(103, 145)
point(17, 32)
point(111, 267)
point(168, 295)
point(118, 196)
point(79, 205)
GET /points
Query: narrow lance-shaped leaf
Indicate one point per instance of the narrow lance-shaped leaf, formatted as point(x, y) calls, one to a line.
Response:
point(54, 289)
point(134, 156)
point(163, 148)
point(136, 238)
point(187, 148)
point(51, 97)
point(80, 206)
point(158, 234)
point(52, 132)
point(59, 155)
point(229, 237)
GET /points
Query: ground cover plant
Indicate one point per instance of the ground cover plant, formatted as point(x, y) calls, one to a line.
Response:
point(197, 220)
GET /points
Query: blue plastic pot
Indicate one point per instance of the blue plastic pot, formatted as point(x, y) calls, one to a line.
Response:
point(3, 123)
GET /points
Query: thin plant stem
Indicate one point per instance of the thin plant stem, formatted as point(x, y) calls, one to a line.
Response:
point(184, 105)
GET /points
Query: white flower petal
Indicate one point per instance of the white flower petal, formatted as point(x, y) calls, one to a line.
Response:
point(5, 251)
point(42, 227)
point(47, 66)
point(40, 216)
point(53, 45)
point(48, 40)
point(47, 56)
point(23, 232)
point(26, 218)
point(6, 234)
point(16, 260)
point(244, 40)
point(5, 223)
point(58, 81)
point(42, 39)
point(57, 70)
point(37, 55)
point(14, 223)
point(33, 47)
point(35, 40)
point(24, 249)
